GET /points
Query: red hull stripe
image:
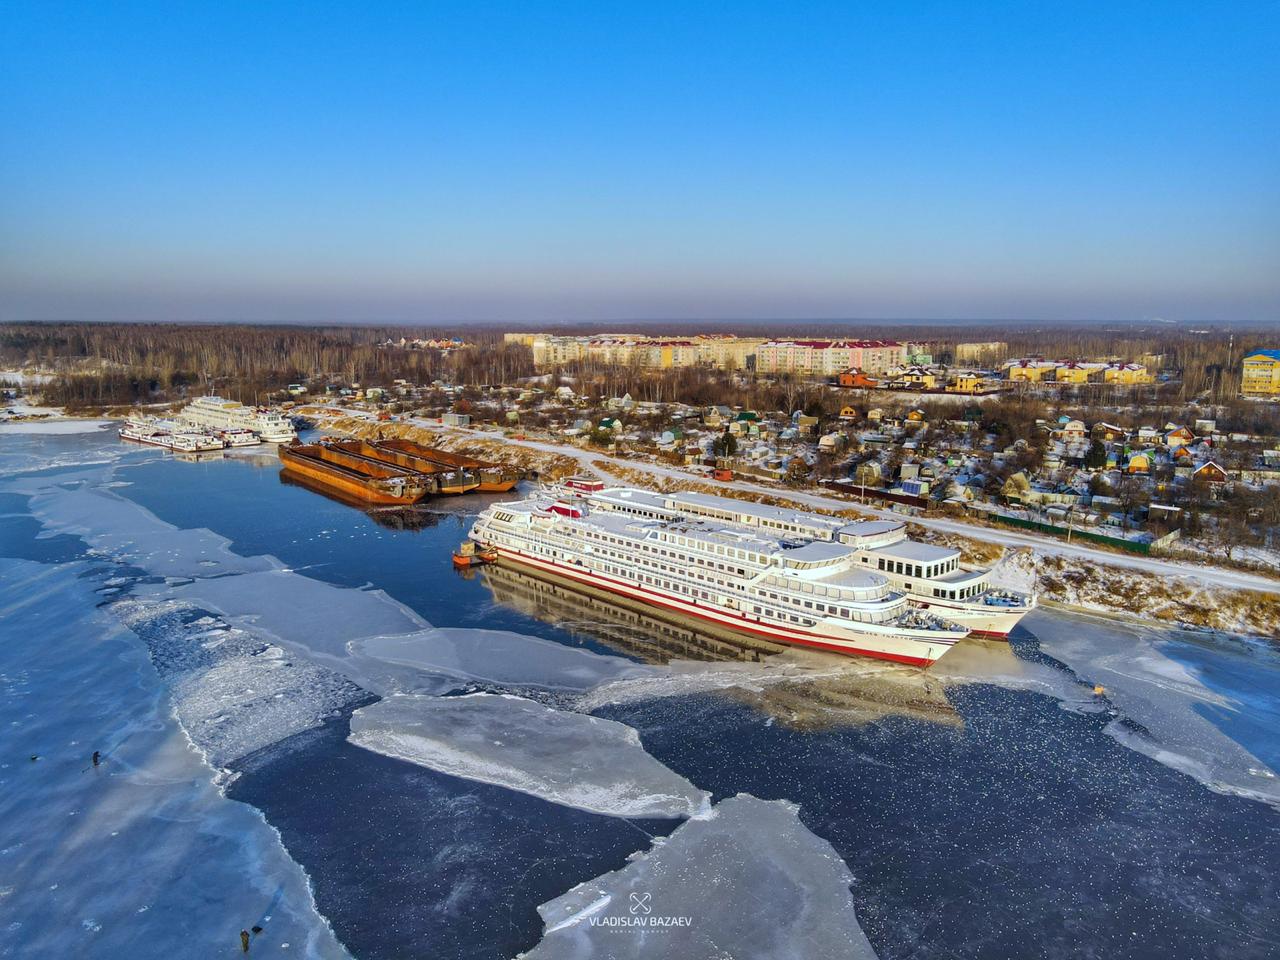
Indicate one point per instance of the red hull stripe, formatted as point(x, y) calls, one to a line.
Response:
point(602, 582)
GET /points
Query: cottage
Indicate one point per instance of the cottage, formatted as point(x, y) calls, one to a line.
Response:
point(966, 381)
point(868, 474)
point(1069, 429)
point(1209, 473)
point(1108, 432)
point(856, 378)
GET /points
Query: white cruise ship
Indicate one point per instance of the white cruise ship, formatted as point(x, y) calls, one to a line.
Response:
point(813, 594)
point(218, 414)
point(932, 577)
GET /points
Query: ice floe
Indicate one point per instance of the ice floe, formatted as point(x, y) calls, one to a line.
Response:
point(569, 758)
point(503, 657)
point(234, 692)
point(120, 529)
point(995, 662)
point(746, 881)
point(366, 635)
point(1164, 706)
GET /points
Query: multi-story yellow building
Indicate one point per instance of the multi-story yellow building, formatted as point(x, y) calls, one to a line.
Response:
point(1081, 371)
point(1261, 374)
point(827, 358)
point(1032, 371)
point(1126, 373)
point(646, 352)
point(966, 381)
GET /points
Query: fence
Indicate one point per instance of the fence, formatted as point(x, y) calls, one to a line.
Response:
point(1132, 546)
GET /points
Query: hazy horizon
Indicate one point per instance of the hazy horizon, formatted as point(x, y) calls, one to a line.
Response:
point(500, 163)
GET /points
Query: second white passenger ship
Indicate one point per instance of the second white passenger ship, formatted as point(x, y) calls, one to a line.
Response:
point(813, 594)
point(230, 416)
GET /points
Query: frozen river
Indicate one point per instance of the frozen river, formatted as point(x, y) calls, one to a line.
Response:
point(313, 729)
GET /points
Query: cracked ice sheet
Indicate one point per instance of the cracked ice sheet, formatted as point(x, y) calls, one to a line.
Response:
point(233, 692)
point(503, 657)
point(116, 527)
point(1169, 700)
point(52, 427)
point(746, 881)
point(995, 662)
point(569, 758)
point(142, 856)
point(377, 642)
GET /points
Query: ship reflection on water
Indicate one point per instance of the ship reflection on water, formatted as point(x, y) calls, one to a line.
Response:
point(800, 688)
point(408, 517)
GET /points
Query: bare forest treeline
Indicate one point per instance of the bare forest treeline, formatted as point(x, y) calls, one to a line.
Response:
point(113, 364)
point(120, 363)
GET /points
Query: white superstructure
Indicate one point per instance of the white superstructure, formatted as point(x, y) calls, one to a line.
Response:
point(812, 594)
point(932, 577)
point(219, 414)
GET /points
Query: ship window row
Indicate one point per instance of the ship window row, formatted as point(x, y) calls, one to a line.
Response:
point(820, 590)
point(695, 591)
point(720, 549)
point(964, 593)
point(828, 608)
point(747, 519)
point(653, 562)
point(927, 571)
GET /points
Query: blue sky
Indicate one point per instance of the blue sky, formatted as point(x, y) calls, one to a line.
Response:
point(479, 161)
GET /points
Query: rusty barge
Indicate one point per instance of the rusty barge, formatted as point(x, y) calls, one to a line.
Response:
point(491, 477)
point(369, 481)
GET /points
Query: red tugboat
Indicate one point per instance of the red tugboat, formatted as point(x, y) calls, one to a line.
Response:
point(468, 556)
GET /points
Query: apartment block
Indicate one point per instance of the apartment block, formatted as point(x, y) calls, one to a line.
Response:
point(1261, 374)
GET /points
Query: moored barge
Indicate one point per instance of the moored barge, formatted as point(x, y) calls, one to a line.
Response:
point(369, 480)
point(491, 477)
point(449, 478)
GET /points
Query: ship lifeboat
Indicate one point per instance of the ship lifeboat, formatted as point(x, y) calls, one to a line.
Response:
point(469, 555)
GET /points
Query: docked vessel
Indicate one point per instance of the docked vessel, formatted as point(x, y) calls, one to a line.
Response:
point(238, 437)
point(469, 555)
point(811, 594)
point(217, 413)
point(490, 477)
point(932, 577)
point(450, 478)
point(167, 434)
point(874, 691)
point(369, 481)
